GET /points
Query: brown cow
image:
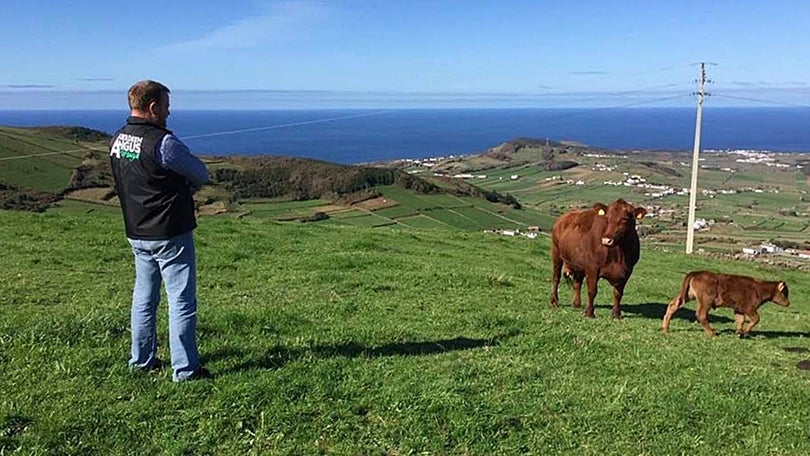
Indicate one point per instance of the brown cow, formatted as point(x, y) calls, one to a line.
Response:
point(743, 294)
point(600, 242)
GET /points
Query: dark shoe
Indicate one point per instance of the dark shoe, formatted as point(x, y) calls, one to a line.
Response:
point(200, 374)
point(156, 365)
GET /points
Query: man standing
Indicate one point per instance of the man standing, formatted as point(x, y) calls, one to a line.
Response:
point(155, 176)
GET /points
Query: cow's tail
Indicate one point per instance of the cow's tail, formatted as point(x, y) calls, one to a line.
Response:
point(568, 275)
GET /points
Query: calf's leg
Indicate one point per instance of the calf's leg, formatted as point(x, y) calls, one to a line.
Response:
point(673, 307)
point(739, 319)
point(754, 317)
point(703, 317)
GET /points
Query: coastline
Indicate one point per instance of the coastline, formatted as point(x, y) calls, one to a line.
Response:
point(352, 136)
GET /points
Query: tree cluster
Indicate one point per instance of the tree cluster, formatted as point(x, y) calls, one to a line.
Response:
point(94, 171)
point(302, 179)
point(75, 133)
point(26, 200)
point(462, 188)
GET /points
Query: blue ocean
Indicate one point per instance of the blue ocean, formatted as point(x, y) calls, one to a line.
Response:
point(356, 136)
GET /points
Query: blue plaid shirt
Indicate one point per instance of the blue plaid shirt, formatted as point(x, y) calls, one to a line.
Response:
point(174, 155)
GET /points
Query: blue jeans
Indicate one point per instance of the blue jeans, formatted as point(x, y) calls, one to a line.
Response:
point(172, 262)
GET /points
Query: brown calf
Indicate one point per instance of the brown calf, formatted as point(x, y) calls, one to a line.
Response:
point(743, 294)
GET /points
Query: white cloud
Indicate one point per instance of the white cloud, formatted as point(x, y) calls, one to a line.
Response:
point(271, 23)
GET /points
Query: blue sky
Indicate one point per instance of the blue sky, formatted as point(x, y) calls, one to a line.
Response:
point(407, 53)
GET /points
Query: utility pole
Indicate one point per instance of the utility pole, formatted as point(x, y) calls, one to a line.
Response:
point(690, 228)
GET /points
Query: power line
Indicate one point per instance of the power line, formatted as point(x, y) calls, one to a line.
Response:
point(757, 100)
point(291, 124)
point(220, 133)
point(667, 68)
point(45, 154)
point(610, 95)
point(655, 100)
point(332, 119)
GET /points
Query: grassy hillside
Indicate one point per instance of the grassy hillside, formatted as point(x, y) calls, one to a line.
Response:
point(42, 165)
point(752, 198)
point(347, 340)
point(51, 154)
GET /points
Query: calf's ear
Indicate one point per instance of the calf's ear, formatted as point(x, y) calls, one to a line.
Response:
point(640, 212)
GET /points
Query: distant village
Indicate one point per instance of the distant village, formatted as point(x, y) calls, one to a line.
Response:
point(651, 190)
point(531, 232)
point(761, 157)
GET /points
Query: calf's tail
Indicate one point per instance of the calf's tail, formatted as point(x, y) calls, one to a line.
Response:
point(683, 295)
point(678, 301)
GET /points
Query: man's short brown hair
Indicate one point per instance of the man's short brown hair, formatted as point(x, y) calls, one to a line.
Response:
point(142, 93)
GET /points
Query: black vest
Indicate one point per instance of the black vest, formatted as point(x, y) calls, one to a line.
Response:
point(156, 202)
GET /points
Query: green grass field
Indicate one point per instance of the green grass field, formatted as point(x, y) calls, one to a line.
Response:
point(412, 210)
point(331, 339)
point(49, 160)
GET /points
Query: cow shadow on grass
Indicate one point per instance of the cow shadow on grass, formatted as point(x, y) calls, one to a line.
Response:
point(279, 355)
point(657, 310)
point(767, 334)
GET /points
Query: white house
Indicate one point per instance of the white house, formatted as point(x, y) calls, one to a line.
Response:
point(770, 248)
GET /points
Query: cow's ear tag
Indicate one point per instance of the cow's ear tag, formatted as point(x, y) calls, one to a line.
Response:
point(781, 286)
point(601, 212)
point(640, 215)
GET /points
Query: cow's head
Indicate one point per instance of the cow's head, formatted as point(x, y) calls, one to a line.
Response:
point(621, 218)
point(781, 295)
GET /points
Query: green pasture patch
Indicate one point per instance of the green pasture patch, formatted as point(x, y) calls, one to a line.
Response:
point(83, 207)
point(352, 340)
point(530, 217)
point(46, 163)
point(423, 221)
point(395, 211)
point(453, 218)
point(446, 201)
point(487, 220)
point(405, 197)
point(350, 214)
point(357, 218)
point(281, 209)
point(283, 203)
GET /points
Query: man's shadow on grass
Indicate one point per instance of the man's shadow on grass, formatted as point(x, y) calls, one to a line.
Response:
point(279, 355)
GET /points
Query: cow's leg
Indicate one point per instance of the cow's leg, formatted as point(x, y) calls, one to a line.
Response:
point(703, 317)
point(739, 318)
point(618, 292)
point(591, 279)
point(754, 317)
point(673, 307)
point(556, 268)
